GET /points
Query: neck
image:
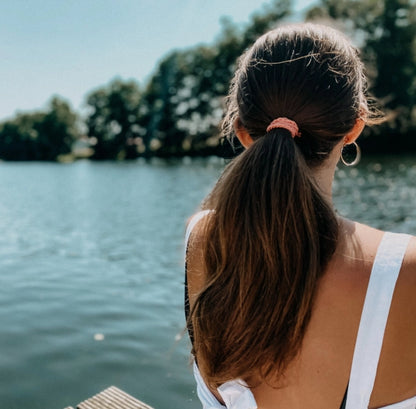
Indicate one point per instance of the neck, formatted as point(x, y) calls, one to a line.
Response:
point(324, 175)
point(324, 181)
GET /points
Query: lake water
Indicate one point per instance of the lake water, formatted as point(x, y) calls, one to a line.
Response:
point(91, 275)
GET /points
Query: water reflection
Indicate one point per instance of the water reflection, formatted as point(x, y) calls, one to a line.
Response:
point(380, 192)
point(93, 252)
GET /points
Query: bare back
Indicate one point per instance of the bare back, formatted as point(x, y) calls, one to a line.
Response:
point(318, 377)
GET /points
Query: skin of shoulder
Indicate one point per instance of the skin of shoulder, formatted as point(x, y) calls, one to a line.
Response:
point(396, 374)
point(194, 260)
point(397, 367)
point(345, 286)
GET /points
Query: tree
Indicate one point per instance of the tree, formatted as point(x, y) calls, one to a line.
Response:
point(40, 135)
point(183, 103)
point(113, 120)
point(57, 130)
point(386, 31)
point(160, 100)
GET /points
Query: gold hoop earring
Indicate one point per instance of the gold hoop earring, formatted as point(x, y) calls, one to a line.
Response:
point(357, 155)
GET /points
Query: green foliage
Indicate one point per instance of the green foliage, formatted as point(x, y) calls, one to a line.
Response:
point(178, 112)
point(58, 130)
point(113, 122)
point(160, 100)
point(386, 31)
point(183, 103)
point(39, 135)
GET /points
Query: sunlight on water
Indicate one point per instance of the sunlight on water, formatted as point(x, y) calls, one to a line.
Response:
point(379, 192)
point(91, 271)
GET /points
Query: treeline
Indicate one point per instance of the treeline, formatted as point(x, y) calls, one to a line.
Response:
point(178, 111)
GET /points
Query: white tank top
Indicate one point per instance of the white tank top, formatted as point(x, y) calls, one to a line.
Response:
point(386, 267)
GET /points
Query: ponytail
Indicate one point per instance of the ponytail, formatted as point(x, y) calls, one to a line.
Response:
point(265, 248)
point(272, 233)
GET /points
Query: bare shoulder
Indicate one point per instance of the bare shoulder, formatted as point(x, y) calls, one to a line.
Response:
point(396, 375)
point(195, 224)
point(369, 240)
point(367, 236)
point(359, 242)
point(406, 283)
point(195, 270)
point(397, 364)
point(409, 262)
point(404, 300)
point(195, 232)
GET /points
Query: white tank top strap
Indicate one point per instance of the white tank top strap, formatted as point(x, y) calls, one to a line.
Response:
point(376, 309)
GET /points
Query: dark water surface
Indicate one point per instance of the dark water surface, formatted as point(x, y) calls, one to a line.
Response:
point(91, 276)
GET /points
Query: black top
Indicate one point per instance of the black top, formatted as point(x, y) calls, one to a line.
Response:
point(188, 308)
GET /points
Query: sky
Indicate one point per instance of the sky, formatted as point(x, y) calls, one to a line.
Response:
point(70, 47)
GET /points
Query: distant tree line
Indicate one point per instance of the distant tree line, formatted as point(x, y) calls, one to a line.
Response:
point(178, 111)
point(40, 135)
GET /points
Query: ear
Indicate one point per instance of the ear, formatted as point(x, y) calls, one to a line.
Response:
point(355, 132)
point(243, 136)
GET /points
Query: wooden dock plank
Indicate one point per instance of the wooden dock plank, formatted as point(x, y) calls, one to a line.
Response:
point(112, 398)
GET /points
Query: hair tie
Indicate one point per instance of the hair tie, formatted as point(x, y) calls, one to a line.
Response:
point(285, 123)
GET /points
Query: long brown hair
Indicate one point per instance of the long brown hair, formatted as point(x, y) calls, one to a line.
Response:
point(272, 232)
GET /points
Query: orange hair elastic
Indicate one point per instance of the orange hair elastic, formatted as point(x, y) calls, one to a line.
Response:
point(285, 123)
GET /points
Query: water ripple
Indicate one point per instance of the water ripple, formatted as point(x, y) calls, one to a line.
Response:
point(96, 248)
